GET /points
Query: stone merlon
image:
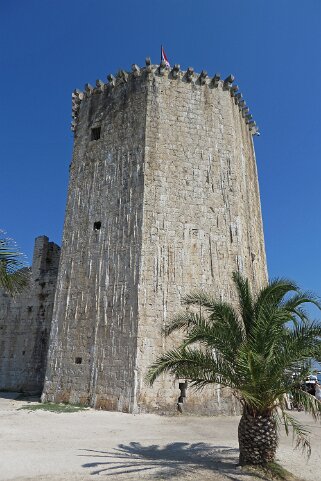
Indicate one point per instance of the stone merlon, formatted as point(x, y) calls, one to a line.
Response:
point(202, 80)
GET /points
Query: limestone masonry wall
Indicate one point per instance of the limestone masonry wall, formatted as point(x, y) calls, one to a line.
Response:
point(163, 198)
point(25, 322)
point(93, 342)
point(202, 218)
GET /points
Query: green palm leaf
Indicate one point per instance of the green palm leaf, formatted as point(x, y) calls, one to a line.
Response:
point(14, 274)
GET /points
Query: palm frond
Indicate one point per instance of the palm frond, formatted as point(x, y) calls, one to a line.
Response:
point(301, 435)
point(14, 274)
point(273, 294)
point(198, 298)
point(245, 300)
point(309, 403)
point(224, 314)
point(183, 321)
point(193, 364)
point(224, 340)
point(294, 305)
point(299, 344)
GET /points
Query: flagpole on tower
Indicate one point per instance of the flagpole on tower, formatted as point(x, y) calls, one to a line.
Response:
point(164, 58)
point(161, 54)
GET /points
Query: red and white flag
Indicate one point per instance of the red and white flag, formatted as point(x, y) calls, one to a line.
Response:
point(164, 58)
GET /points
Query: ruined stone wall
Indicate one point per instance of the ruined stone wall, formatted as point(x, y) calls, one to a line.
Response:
point(163, 198)
point(25, 322)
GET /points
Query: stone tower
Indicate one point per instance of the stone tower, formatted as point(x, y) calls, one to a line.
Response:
point(163, 199)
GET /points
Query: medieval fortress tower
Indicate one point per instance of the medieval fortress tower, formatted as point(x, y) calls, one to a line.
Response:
point(163, 199)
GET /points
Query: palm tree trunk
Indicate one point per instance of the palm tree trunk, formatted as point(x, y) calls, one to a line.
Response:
point(258, 439)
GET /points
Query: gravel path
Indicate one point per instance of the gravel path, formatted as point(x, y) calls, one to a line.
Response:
point(88, 445)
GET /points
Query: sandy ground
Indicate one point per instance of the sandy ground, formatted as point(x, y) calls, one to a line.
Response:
point(87, 445)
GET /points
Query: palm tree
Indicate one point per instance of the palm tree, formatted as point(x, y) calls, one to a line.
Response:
point(251, 349)
point(14, 274)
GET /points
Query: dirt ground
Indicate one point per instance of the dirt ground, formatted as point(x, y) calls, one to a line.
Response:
point(87, 445)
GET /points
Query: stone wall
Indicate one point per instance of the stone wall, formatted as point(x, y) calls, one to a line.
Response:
point(202, 220)
point(25, 322)
point(93, 342)
point(163, 198)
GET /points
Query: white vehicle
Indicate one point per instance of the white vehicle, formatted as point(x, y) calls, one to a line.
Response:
point(311, 379)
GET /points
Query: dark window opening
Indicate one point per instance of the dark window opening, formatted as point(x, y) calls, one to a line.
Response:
point(95, 133)
point(97, 225)
point(23, 353)
point(78, 360)
point(182, 387)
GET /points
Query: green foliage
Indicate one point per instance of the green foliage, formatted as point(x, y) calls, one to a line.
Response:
point(271, 471)
point(14, 274)
point(251, 349)
point(55, 408)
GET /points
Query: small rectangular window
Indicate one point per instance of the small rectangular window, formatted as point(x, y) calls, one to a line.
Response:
point(97, 225)
point(95, 133)
point(78, 360)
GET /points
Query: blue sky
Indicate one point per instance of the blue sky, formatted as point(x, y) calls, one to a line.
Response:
point(273, 47)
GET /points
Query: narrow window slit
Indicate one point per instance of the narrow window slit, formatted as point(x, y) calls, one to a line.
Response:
point(97, 225)
point(182, 387)
point(95, 133)
point(78, 360)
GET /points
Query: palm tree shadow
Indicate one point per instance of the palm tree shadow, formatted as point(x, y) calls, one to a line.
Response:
point(165, 462)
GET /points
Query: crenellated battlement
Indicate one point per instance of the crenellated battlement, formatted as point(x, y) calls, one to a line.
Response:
point(203, 80)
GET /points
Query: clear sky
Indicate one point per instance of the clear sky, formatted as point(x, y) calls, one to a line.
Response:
point(273, 47)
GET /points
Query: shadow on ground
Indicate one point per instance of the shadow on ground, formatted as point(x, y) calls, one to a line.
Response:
point(18, 396)
point(165, 462)
point(9, 395)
